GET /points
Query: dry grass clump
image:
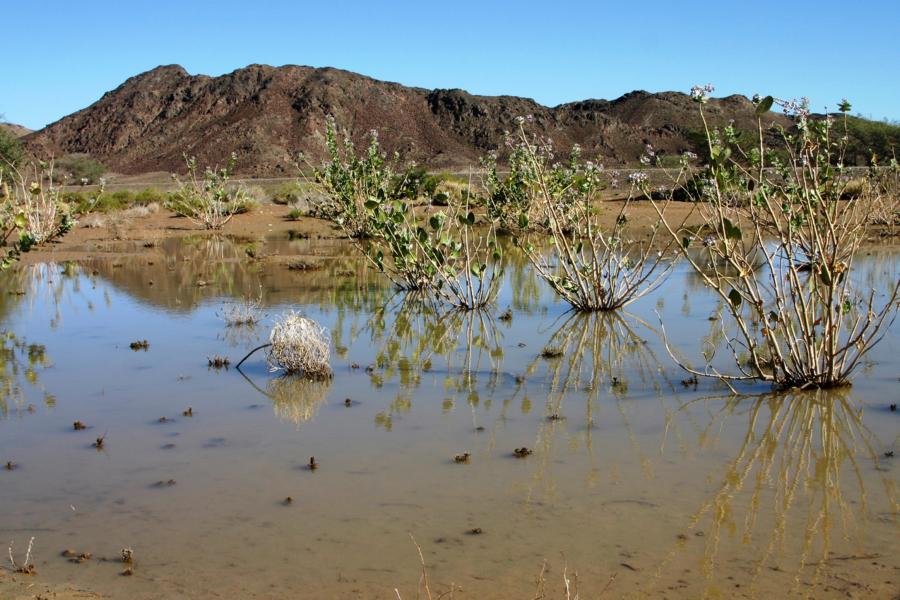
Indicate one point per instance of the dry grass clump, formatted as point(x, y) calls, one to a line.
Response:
point(94, 221)
point(139, 211)
point(246, 313)
point(300, 345)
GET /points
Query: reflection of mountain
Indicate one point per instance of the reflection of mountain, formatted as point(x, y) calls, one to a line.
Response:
point(188, 271)
point(793, 502)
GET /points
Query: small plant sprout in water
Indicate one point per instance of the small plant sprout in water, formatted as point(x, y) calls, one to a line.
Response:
point(27, 567)
point(139, 345)
point(218, 362)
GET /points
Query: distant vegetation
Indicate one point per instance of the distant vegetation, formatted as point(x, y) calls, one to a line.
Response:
point(11, 152)
point(79, 169)
point(868, 139)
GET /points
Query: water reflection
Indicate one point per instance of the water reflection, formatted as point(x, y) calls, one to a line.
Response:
point(410, 333)
point(178, 274)
point(295, 399)
point(20, 364)
point(794, 491)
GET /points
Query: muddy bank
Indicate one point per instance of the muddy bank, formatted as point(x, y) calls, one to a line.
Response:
point(103, 233)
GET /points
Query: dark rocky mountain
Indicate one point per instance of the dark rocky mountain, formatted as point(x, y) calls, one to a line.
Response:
point(268, 115)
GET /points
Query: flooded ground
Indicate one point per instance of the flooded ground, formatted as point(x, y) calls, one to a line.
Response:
point(640, 484)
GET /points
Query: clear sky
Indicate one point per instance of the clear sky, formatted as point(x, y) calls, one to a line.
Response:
point(60, 56)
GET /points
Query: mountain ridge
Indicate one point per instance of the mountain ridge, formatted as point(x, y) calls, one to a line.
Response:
point(269, 115)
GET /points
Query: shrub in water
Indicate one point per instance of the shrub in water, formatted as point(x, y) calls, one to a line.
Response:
point(300, 345)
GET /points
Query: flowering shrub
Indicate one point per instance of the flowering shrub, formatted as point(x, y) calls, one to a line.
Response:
point(516, 201)
point(778, 245)
point(32, 210)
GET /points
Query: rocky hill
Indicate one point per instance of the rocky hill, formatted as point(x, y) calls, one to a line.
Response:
point(268, 115)
point(15, 130)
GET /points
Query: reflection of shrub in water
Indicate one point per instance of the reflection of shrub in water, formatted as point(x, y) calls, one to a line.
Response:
point(296, 399)
point(420, 332)
point(19, 364)
point(795, 482)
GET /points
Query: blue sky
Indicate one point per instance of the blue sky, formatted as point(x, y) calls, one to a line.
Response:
point(62, 56)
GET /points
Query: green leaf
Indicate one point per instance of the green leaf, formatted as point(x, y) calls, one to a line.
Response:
point(436, 220)
point(764, 106)
point(523, 221)
point(732, 231)
point(470, 218)
point(735, 298)
point(371, 204)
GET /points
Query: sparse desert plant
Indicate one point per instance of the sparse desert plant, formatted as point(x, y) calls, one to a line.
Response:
point(141, 211)
point(207, 198)
point(288, 193)
point(295, 213)
point(778, 244)
point(300, 346)
point(882, 197)
point(95, 221)
point(27, 567)
point(590, 268)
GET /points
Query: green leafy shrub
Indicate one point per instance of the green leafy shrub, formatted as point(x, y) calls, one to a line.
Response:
point(778, 246)
point(32, 210)
point(515, 201)
point(11, 153)
point(440, 255)
point(80, 168)
point(288, 193)
point(349, 181)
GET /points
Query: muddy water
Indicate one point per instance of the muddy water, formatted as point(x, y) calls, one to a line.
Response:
point(640, 484)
